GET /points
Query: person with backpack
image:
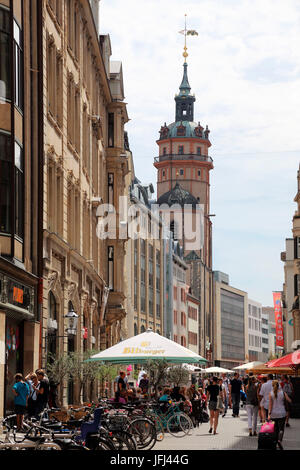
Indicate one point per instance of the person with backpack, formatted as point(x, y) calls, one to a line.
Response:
point(252, 403)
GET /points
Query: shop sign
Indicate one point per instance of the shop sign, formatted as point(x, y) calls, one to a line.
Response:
point(18, 294)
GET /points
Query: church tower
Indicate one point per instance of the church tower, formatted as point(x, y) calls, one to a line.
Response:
point(184, 161)
point(183, 177)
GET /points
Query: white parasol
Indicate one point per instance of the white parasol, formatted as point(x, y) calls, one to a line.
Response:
point(148, 345)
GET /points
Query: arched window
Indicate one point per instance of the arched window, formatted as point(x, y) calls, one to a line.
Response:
point(143, 329)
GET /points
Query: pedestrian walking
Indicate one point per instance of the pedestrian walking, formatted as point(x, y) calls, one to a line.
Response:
point(277, 411)
point(264, 394)
point(261, 410)
point(287, 387)
point(252, 405)
point(21, 394)
point(226, 383)
point(215, 403)
point(235, 394)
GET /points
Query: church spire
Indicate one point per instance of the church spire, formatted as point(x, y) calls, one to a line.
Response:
point(185, 101)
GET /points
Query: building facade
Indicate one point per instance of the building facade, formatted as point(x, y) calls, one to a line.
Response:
point(296, 283)
point(254, 330)
point(231, 326)
point(62, 155)
point(180, 289)
point(84, 166)
point(20, 194)
point(144, 262)
point(193, 305)
point(288, 294)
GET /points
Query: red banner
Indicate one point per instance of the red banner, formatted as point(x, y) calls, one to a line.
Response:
point(278, 319)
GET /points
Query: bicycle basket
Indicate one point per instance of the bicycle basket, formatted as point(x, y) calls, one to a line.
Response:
point(117, 422)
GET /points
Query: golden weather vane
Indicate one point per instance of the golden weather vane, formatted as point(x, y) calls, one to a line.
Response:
point(187, 32)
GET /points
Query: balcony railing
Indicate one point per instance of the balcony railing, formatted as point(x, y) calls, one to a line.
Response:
point(185, 156)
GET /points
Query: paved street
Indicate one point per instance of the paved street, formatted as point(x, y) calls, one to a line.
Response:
point(233, 435)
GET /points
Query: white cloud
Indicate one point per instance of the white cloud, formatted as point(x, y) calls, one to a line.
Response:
point(244, 68)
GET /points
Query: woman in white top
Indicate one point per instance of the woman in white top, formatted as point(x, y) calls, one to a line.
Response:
point(277, 411)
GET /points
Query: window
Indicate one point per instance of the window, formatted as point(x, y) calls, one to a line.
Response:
point(111, 267)
point(11, 177)
point(199, 173)
point(5, 65)
point(181, 172)
point(111, 138)
point(183, 319)
point(86, 140)
point(180, 149)
point(73, 28)
point(264, 331)
point(175, 293)
point(95, 164)
point(165, 151)
point(54, 81)
point(18, 59)
point(5, 182)
point(19, 191)
point(175, 317)
point(198, 150)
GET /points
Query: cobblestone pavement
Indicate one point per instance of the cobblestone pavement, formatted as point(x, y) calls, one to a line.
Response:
point(232, 435)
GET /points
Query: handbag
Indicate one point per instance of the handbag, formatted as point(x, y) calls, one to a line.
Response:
point(219, 403)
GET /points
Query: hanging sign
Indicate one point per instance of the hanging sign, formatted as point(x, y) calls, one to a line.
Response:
point(278, 319)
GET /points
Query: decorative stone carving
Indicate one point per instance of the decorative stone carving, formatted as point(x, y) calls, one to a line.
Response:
point(52, 279)
point(71, 290)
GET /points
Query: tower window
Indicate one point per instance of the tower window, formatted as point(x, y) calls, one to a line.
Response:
point(180, 149)
point(163, 173)
point(165, 151)
point(198, 150)
point(181, 172)
point(199, 173)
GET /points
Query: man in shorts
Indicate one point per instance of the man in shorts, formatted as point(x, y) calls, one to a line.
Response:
point(21, 393)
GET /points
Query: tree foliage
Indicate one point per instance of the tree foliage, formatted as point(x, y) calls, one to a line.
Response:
point(74, 366)
point(178, 375)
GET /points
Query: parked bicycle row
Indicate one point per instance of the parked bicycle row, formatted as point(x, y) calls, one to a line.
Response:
point(105, 426)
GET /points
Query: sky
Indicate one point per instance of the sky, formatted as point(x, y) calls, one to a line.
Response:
point(244, 68)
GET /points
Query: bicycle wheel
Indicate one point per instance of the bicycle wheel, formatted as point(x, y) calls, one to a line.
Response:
point(104, 444)
point(122, 440)
point(144, 432)
point(160, 433)
point(178, 425)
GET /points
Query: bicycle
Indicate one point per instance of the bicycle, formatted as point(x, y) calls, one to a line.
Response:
point(176, 422)
point(29, 442)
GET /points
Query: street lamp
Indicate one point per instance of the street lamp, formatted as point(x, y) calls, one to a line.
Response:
point(72, 320)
